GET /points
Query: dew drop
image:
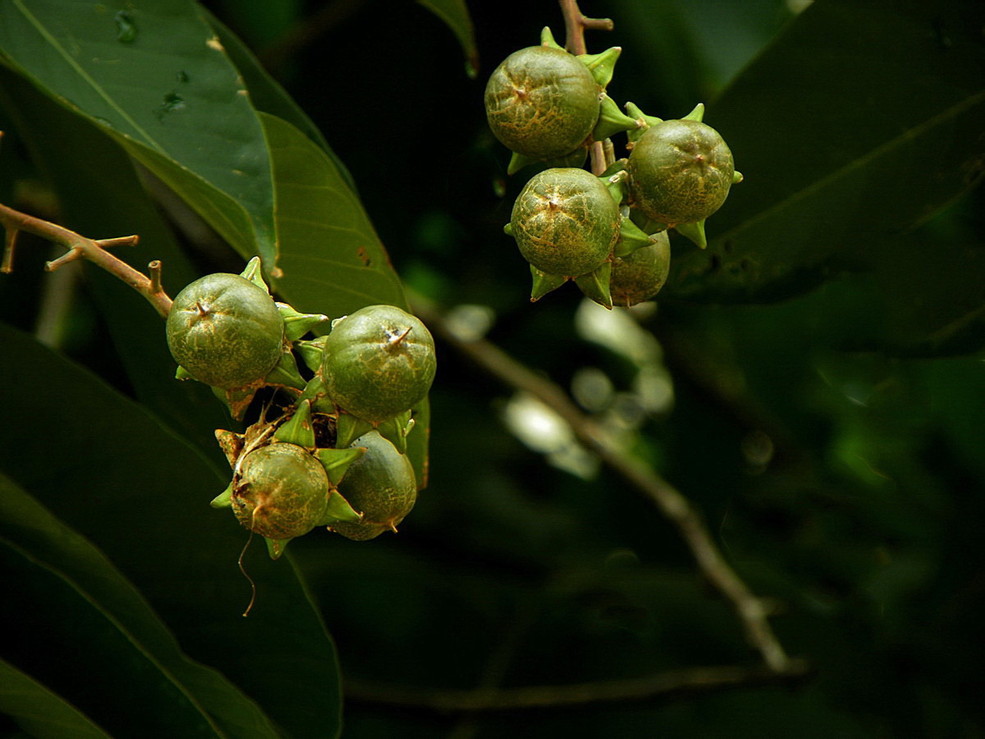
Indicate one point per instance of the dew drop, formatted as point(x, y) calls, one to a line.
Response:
point(171, 103)
point(126, 30)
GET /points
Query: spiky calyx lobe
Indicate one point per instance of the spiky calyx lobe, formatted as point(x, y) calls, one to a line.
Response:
point(542, 102)
point(280, 491)
point(379, 361)
point(225, 331)
point(680, 172)
point(639, 276)
point(565, 222)
point(381, 485)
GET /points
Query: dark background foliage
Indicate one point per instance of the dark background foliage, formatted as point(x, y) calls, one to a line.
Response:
point(824, 372)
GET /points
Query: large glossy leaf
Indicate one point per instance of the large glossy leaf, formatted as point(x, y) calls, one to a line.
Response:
point(267, 95)
point(40, 712)
point(70, 150)
point(106, 468)
point(63, 556)
point(859, 123)
point(155, 77)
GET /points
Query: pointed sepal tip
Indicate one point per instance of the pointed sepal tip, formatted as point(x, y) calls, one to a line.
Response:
point(595, 285)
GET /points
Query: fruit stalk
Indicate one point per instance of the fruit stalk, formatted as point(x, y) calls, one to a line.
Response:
point(575, 25)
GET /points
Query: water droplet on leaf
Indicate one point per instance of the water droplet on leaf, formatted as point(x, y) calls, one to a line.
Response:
point(172, 102)
point(126, 30)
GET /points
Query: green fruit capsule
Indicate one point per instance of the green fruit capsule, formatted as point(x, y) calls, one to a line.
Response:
point(565, 222)
point(381, 485)
point(280, 491)
point(640, 275)
point(680, 172)
point(225, 331)
point(542, 102)
point(379, 361)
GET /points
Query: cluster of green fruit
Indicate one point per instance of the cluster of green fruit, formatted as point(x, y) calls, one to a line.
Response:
point(608, 233)
point(336, 455)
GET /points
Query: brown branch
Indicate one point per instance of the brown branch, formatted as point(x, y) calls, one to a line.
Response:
point(660, 686)
point(751, 610)
point(575, 25)
point(79, 247)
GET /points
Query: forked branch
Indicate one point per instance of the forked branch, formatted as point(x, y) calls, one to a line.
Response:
point(575, 25)
point(79, 247)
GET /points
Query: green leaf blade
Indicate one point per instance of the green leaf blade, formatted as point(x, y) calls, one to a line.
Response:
point(158, 94)
point(141, 495)
point(27, 525)
point(39, 711)
point(331, 257)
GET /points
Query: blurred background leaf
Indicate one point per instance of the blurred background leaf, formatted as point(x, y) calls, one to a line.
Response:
point(868, 139)
point(456, 16)
point(137, 653)
point(39, 711)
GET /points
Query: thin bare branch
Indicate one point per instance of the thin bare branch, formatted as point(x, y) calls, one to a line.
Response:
point(752, 612)
point(668, 685)
point(155, 268)
point(80, 247)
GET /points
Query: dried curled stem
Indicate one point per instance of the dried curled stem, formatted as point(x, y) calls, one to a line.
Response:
point(79, 247)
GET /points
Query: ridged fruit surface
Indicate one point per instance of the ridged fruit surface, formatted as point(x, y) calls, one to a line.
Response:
point(640, 275)
point(379, 361)
point(565, 222)
point(681, 172)
point(381, 485)
point(542, 102)
point(280, 491)
point(225, 331)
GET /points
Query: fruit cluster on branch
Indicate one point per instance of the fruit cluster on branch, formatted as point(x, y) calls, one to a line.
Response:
point(607, 233)
point(336, 454)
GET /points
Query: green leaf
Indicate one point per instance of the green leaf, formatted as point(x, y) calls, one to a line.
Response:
point(69, 149)
point(456, 15)
point(37, 634)
point(38, 711)
point(28, 527)
point(141, 494)
point(154, 77)
point(331, 258)
point(858, 124)
point(268, 96)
